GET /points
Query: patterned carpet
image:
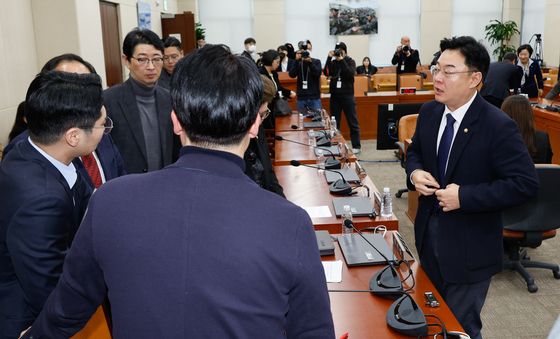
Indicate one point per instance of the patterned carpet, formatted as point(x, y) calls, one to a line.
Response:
point(510, 310)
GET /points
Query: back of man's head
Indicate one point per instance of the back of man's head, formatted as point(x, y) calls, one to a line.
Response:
point(68, 57)
point(511, 57)
point(475, 54)
point(58, 101)
point(216, 96)
point(140, 36)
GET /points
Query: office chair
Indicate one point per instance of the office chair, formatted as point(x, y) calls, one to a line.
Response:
point(407, 127)
point(531, 223)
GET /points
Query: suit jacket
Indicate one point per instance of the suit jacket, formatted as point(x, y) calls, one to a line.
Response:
point(164, 80)
point(554, 91)
point(491, 164)
point(502, 76)
point(107, 153)
point(127, 133)
point(39, 217)
point(530, 87)
point(544, 150)
point(196, 250)
point(362, 70)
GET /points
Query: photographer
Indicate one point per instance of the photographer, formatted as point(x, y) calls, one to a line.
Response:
point(341, 69)
point(405, 57)
point(308, 73)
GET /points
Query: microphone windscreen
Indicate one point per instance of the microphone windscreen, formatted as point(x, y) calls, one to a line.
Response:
point(294, 126)
point(348, 223)
point(278, 137)
point(294, 163)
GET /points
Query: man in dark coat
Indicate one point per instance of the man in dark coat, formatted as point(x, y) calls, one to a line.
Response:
point(502, 77)
point(468, 162)
point(197, 249)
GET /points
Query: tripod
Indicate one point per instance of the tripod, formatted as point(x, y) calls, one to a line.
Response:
point(537, 48)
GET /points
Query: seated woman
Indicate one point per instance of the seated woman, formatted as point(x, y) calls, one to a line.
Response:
point(258, 165)
point(532, 81)
point(367, 68)
point(538, 143)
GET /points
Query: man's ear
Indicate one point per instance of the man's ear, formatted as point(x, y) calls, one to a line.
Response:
point(476, 80)
point(72, 136)
point(125, 61)
point(177, 128)
point(254, 130)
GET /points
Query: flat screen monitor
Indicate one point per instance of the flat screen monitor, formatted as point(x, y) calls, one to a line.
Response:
point(388, 123)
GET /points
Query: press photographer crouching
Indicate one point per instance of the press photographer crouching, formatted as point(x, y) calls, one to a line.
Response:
point(308, 73)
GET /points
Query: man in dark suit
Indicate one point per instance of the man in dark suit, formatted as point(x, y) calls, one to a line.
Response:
point(502, 76)
point(43, 198)
point(140, 110)
point(183, 253)
point(105, 163)
point(468, 162)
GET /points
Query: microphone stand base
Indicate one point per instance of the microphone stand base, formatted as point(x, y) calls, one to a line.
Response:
point(340, 187)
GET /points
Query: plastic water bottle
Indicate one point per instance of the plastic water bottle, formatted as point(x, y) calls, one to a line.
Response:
point(300, 122)
point(312, 140)
point(386, 203)
point(333, 127)
point(346, 214)
point(320, 160)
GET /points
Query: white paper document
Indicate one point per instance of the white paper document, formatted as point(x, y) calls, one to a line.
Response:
point(333, 271)
point(318, 211)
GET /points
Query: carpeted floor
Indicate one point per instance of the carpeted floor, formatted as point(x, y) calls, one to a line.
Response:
point(510, 310)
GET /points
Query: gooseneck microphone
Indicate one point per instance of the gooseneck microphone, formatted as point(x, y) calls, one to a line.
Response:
point(339, 187)
point(404, 315)
point(330, 163)
point(386, 282)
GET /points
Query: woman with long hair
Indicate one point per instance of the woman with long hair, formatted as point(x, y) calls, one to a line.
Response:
point(538, 143)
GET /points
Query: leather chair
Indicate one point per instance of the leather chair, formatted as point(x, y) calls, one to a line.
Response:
point(384, 82)
point(531, 223)
point(407, 127)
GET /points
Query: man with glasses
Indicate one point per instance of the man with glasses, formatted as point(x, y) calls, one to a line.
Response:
point(468, 162)
point(101, 165)
point(140, 110)
point(43, 196)
point(172, 53)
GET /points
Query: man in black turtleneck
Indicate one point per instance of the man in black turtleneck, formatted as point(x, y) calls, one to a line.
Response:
point(140, 110)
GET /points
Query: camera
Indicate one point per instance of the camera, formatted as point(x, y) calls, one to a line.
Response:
point(337, 52)
point(405, 48)
point(304, 54)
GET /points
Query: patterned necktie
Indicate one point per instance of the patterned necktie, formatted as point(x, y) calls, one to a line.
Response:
point(92, 169)
point(443, 149)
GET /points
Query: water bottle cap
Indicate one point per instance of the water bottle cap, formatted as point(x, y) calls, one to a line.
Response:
point(386, 190)
point(346, 208)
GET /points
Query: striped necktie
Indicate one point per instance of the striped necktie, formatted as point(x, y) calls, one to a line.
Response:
point(92, 169)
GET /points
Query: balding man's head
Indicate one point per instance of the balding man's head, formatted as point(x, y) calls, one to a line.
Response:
point(405, 41)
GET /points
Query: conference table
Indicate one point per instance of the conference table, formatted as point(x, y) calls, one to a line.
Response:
point(286, 151)
point(306, 187)
point(363, 315)
point(549, 122)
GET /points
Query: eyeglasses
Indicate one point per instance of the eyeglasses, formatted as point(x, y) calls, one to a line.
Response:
point(157, 61)
point(168, 58)
point(264, 114)
point(108, 126)
point(435, 71)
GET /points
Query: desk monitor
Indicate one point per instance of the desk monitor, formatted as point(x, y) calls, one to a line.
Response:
point(357, 252)
point(388, 123)
point(348, 173)
point(360, 206)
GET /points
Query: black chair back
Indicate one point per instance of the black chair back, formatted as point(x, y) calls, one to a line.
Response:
point(541, 213)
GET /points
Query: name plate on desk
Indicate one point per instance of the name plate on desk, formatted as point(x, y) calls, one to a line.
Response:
point(408, 90)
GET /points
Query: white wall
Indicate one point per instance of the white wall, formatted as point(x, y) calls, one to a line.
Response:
point(470, 18)
point(18, 60)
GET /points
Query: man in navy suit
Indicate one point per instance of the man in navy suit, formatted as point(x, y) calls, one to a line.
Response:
point(43, 197)
point(140, 110)
point(468, 162)
point(197, 249)
point(502, 77)
point(107, 157)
